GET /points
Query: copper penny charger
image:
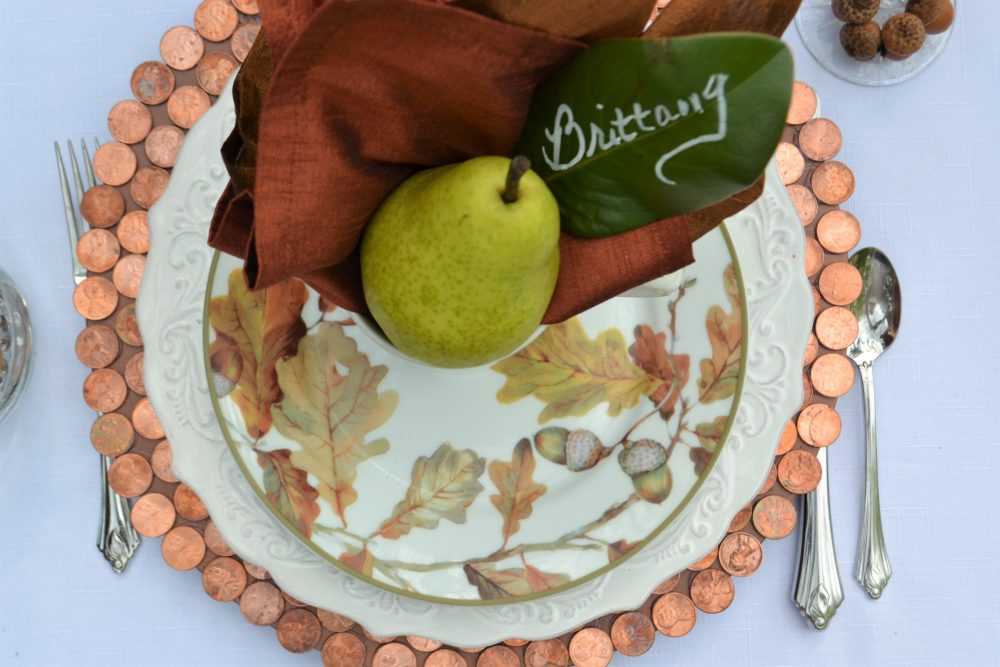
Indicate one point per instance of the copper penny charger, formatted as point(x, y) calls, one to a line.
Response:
point(171, 95)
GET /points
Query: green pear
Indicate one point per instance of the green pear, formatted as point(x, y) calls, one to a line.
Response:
point(459, 263)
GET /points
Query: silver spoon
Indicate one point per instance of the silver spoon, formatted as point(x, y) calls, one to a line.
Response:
point(878, 310)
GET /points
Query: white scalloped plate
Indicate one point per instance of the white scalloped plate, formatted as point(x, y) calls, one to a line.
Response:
point(769, 245)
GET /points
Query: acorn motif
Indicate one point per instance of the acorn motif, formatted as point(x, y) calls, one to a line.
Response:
point(551, 443)
point(903, 35)
point(583, 450)
point(641, 457)
point(937, 15)
point(654, 486)
point(856, 11)
point(861, 42)
point(222, 384)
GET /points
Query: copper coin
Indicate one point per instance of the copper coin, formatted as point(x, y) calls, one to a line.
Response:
point(187, 105)
point(705, 561)
point(214, 541)
point(836, 328)
point(247, 6)
point(805, 419)
point(145, 422)
point(840, 283)
point(825, 427)
point(127, 275)
point(772, 477)
point(804, 104)
point(473, 650)
point(443, 658)
point(833, 183)
point(674, 615)
point(812, 350)
point(838, 231)
point(133, 374)
point(791, 164)
point(148, 185)
point(299, 630)
point(548, 653)
point(256, 571)
point(712, 591)
point(346, 650)
point(814, 257)
point(133, 232)
point(591, 647)
point(95, 298)
point(182, 548)
point(820, 139)
point(832, 375)
point(163, 144)
point(799, 471)
point(805, 203)
point(668, 585)
point(807, 390)
point(261, 603)
point(214, 71)
point(334, 622)
point(129, 121)
point(422, 644)
point(741, 520)
point(494, 656)
point(152, 82)
point(112, 434)
point(127, 326)
point(397, 655)
point(215, 20)
point(97, 346)
point(515, 642)
point(162, 461)
point(740, 554)
point(103, 205)
point(632, 633)
point(787, 441)
point(243, 40)
point(182, 47)
point(114, 163)
point(98, 250)
point(224, 579)
point(188, 504)
point(104, 390)
point(130, 475)
point(774, 517)
point(153, 515)
point(816, 301)
point(295, 602)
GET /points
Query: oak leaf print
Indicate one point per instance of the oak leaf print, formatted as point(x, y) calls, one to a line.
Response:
point(720, 374)
point(518, 491)
point(288, 489)
point(494, 584)
point(650, 352)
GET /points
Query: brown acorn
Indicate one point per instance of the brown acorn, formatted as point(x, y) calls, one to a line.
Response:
point(856, 11)
point(937, 15)
point(655, 485)
point(861, 42)
point(902, 36)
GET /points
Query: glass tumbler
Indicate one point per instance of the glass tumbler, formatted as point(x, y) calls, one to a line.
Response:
point(15, 344)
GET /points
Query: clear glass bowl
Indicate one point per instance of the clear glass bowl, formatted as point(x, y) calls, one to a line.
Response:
point(15, 344)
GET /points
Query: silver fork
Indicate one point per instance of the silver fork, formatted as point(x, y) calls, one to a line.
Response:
point(117, 539)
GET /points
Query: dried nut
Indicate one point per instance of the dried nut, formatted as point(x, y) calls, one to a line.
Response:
point(903, 35)
point(937, 15)
point(861, 42)
point(856, 11)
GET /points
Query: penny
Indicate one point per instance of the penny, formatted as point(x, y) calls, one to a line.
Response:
point(182, 47)
point(840, 283)
point(787, 441)
point(674, 615)
point(127, 326)
point(422, 643)
point(397, 655)
point(705, 561)
point(741, 520)
point(820, 139)
point(295, 602)
point(805, 419)
point(97, 346)
point(261, 603)
point(214, 541)
point(515, 642)
point(812, 350)
point(114, 163)
point(740, 554)
point(832, 375)
point(133, 374)
point(833, 183)
point(799, 471)
point(256, 571)
point(334, 622)
point(163, 144)
point(494, 656)
point(133, 232)
point(443, 658)
point(98, 250)
point(473, 650)
point(772, 477)
point(145, 422)
point(668, 585)
point(814, 257)
point(243, 40)
point(152, 82)
point(803, 105)
point(127, 275)
point(104, 390)
point(188, 504)
point(774, 517)
point(129, 121)
point(224, 579)
point(95, 298)
point(836, 328)
point(247, 6)
point(346, 650)
point(816, 301)
point(825, 427)
point(112, 434)
point(632, 633)
point(130, 475)
point(807, 390)
point(182, 548)
point(299, 630)
point(791, 164)
point(547, 653)
point(838, 231)
point(187, 105)
point(148, 185)
point(214, 71)
point(805, 203)
point(712, 591)
point(153, 515)
point(591, 647)
point(215, 20)
point(162, 461)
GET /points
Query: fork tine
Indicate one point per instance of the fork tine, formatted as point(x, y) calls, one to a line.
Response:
point(77, 180)
point(88, 165)
point(72, 224)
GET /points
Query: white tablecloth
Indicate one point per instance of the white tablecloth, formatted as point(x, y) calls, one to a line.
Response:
point(925, 155)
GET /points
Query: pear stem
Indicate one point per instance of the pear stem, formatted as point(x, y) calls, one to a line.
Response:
point(519, 166)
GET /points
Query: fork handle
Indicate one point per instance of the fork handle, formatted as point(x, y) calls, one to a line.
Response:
point(818, 590)
point(872, 568)
point(117, 539)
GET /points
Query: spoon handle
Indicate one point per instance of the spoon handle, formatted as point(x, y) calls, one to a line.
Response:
point(872, 569)
point(818, 591)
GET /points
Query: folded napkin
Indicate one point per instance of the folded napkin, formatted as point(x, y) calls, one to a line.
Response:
point(337, 105)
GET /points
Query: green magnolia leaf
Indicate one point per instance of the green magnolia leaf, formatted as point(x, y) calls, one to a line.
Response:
point(288, 489)
point(494, 584)
point(635, 131)
point(518, 491)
